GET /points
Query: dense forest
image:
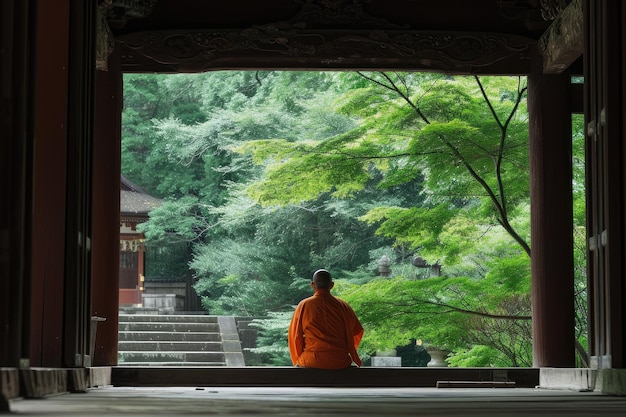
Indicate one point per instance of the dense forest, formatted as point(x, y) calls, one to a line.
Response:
point(411, 188)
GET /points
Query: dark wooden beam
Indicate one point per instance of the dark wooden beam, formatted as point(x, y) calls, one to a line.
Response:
point(276, 376)
point(272, 47)
point(563, 42)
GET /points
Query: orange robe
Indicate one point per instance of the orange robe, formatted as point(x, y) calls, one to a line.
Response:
point(324, 333)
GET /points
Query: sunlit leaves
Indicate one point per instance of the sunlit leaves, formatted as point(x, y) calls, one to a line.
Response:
point(462, 135)
point(442, 312)
point(417, 226)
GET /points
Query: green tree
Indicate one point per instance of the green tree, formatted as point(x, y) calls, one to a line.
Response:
point(467, 137)
point(245, 256)
point(269, 175)
point(272, 338)
point(145, 159)
point(259, 264)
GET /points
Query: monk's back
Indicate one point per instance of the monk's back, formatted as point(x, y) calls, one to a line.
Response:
point(324, 331)
point(323, 318)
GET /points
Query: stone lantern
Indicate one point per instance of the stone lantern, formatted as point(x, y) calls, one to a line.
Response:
point(384, 266)
point(420, 262)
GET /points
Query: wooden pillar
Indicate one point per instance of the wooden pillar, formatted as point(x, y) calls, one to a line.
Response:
point(46, 295)
point(79, 206)
point(552, 264)
point(60, 288)
point(106, 234)
point(16, 85)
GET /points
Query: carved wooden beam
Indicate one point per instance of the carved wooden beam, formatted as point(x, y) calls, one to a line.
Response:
point(119, 12)
point(326, 35)
point(551, 9)
point(104, 37)
point(116, 13)
point(290, 47)
point(563, 42)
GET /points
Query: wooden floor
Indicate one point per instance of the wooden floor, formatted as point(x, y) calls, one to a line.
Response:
point(288, 391)
point(302, 402)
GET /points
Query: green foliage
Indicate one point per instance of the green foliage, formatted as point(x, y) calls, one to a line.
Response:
point(166, 260)
point(181, 219)
point(469, 147)
point(270, 175)
point(305, 180)
point(272, 338)
point(148, 98)
point(452, 313)
point(469, 141)
point(419, 227)
point(478, 356)
point(280, 245)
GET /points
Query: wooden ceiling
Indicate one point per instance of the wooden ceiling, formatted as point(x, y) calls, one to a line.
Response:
point(455, 36)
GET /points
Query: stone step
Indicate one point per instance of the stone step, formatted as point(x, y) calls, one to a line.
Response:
point(167, 318)
point(139, 310)
point(148, 339)
point(172, 364)
point(127, 336)
point(168, 346)
point(174, 356)
point(168, 327)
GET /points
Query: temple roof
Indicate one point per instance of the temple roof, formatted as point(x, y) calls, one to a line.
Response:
point(134, 200)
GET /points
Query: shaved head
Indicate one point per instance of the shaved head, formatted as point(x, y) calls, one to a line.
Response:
point(322, 279)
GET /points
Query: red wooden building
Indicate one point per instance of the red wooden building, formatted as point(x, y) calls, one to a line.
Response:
point(61, 72)
point(135, 206)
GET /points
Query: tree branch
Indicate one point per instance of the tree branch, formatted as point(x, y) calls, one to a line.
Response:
point(449, 309)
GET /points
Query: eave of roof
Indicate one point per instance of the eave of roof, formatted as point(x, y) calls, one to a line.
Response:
point(132, 202)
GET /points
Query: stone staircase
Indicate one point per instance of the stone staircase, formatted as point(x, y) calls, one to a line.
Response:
point(152, 338)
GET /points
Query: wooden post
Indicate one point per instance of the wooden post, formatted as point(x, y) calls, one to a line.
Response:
point(106, 234)
point(16, 86)
point(44, 293)
point(552, 264)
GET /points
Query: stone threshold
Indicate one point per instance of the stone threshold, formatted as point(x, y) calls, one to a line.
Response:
point(606, 381)
point(43, 382)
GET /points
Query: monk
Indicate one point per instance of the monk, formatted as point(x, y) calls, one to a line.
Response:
point(324, 331)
